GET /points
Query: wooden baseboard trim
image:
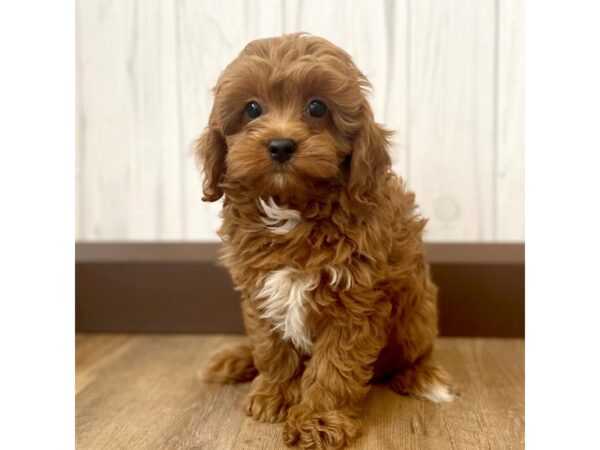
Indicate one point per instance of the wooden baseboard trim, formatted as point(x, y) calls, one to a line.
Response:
point(179, 288)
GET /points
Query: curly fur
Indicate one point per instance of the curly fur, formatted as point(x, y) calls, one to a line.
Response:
point(326, 249)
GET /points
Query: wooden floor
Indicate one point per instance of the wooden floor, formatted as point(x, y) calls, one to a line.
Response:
point(143, 392)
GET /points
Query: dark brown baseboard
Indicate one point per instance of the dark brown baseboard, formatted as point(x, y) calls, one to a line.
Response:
point(179, 288)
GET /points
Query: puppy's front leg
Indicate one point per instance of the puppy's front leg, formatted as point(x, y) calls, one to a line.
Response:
point(336, 381)
point(277, 387)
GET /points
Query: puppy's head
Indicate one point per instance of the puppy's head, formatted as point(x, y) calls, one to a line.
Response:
point(290, 118)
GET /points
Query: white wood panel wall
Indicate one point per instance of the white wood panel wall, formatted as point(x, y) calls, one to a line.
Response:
point(447, 76)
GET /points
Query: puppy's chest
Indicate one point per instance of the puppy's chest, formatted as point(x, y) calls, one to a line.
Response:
point(285, 296)
point(284, 300)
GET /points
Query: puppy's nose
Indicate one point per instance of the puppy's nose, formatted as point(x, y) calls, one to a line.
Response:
point(281, 149)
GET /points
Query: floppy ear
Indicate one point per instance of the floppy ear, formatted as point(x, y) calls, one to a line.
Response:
point(370, 158)
point(211, 151)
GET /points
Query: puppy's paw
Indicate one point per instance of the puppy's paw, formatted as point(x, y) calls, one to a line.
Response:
point(265, 407)
point(230, 364)
point(426, 382)
point(310, 429)
point(438, 392)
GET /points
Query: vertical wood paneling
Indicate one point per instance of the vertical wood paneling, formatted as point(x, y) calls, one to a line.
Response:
point(127, 115)
point(445, 77)
point(103, 118)
point(395, 91)
point(168, 141)
point(510, 205)
point(79, 130)
point(451, 116)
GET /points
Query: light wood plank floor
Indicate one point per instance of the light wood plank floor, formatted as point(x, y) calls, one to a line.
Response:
point(143, 392)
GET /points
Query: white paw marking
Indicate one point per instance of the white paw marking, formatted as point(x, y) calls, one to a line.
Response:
point(439, 393)
point(279, 219)
point(285, 292)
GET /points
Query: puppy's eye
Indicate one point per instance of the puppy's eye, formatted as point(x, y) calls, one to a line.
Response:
point(317, 108)
point(253, 109)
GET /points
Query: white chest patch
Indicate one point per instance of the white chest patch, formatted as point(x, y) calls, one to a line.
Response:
point(285, 293)
point(279, 220)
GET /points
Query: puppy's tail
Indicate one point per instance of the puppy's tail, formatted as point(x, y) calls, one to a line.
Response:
point(230, 364)
point(424, 381)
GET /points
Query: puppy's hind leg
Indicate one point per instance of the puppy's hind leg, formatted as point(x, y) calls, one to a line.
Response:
point(424, 381)
point(230, 364)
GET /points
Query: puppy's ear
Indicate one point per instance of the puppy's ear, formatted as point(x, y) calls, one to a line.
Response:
point(211, 151)
point(370, 158)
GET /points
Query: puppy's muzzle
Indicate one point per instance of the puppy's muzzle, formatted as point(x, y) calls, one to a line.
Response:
point(281, 149)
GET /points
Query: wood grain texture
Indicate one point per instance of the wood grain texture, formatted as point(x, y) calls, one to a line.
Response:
point(143, 392)
point(127, 121)
point(446, 77)
point(510, 207)
point(451, 145)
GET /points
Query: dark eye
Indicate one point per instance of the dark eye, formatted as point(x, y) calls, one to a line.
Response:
point(253, 109)
point(317, 108)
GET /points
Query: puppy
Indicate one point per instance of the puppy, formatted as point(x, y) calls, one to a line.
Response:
point(322, 241)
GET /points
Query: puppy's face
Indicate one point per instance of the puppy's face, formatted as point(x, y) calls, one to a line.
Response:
point(286, 118)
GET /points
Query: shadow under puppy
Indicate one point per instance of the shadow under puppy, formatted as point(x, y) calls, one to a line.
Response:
point(321, 239)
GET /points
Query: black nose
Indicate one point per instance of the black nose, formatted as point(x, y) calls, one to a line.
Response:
point(281, 149)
